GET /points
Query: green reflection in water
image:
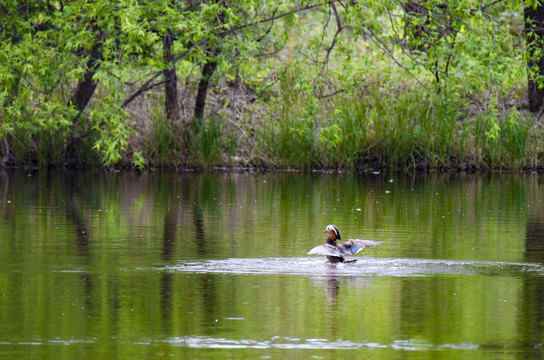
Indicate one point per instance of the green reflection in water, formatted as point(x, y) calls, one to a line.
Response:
point(90, 266)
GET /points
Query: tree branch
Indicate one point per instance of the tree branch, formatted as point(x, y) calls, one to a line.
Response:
point(335, 38)
point(384, 47)
point(272, 18)
point(483, 7)
point(339, 28)
point(148, 84)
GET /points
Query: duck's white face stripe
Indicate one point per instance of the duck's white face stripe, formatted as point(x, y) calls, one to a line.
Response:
point(333, 228)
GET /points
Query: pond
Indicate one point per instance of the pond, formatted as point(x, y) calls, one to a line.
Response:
point(214, 265)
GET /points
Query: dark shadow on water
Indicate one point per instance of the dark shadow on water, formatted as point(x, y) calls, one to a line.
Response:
point(75, 213)
point(200, 233)
point(169, 239)
point(534, 240)
point(531, 323)
point(333, 282)
point(333, 285)
point(166, 280)
point(169, 234)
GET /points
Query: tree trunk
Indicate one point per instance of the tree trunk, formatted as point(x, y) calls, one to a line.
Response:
point(534, 27)
point(170, 78)
point(207, 73)
point(86, 87)
point(82, 95)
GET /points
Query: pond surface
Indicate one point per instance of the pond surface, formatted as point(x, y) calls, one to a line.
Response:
point(98, 265)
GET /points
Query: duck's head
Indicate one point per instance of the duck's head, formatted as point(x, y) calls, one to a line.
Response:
point(334, 234)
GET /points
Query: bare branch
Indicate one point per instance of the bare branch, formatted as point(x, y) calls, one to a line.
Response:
point(384, 47)
point(145, 87)
point(339, 29)
point(327, 95)
point(272, 18)
point(149, 83)
point(483, 7)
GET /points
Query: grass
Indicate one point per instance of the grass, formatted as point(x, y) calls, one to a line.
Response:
point(414, 129)
point(453, 105)
point(397, 130)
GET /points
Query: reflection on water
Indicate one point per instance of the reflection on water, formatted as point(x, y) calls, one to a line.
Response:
point(214, 265)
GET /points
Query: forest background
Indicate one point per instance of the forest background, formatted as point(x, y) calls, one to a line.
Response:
point(340, 84)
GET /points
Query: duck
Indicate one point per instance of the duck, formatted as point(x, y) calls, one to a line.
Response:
point(335, 252)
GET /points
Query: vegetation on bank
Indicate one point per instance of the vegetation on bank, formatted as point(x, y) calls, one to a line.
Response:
point(312, 84)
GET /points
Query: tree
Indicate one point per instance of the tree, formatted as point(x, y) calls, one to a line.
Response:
point(69, 70)
point(62, 56)
point(170, 77)
point(534, 30)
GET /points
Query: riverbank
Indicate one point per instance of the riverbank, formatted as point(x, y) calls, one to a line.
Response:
point(375, 86)
point(406, 130)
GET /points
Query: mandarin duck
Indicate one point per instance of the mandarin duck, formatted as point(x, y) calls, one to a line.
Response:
point(335, 252)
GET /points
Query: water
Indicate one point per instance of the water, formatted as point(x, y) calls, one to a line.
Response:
point(199, 266)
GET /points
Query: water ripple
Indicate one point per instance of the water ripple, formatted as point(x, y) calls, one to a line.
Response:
point(205, 342)
point(366, 266)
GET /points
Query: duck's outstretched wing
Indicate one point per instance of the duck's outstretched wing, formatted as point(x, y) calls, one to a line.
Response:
point(325, 249)
point(353, 246)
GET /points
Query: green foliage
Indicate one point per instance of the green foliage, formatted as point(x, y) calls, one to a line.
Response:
point(502, 140)
point(415, 91)
point(166, 145)
point(336, 84)
point(288, 134)
point(206, 142)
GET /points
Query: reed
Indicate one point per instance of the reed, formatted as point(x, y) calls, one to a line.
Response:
point(285, 133)
point(396, 130)
point(383, 127)
point(206, 142)
point(502, 139)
